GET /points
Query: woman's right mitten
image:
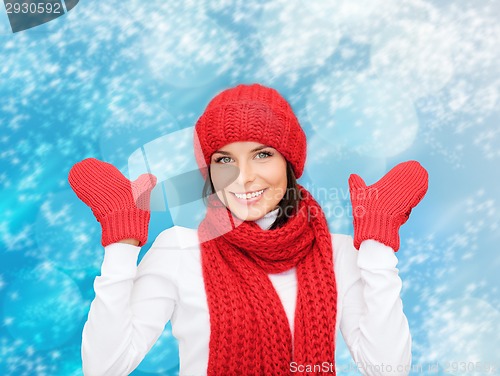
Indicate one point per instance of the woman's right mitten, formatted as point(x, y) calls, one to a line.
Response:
point(120, 206)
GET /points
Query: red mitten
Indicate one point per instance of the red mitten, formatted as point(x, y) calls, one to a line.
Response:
point(380, 209)
point(121, 206)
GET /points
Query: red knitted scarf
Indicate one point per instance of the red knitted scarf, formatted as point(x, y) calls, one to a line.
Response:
point(249, 330)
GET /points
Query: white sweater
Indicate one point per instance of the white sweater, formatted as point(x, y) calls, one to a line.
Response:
point(134, 303)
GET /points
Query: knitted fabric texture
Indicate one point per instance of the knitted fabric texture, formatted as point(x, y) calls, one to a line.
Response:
point(249, 330)
point(380, 209)
point(250, 113)
point(121, 206)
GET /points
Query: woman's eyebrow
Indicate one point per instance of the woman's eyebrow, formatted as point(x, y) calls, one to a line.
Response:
point(251, 151)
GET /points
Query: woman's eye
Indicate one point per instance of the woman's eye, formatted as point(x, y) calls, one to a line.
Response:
point(264, 154)
point(223, 160)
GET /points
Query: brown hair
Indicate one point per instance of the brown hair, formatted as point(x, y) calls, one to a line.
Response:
point(288, 205)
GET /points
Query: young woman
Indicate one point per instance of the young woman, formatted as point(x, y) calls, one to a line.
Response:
point(262, 287)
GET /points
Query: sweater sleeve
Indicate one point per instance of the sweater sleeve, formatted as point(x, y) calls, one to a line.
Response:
point(131, 307)
point(374, 326)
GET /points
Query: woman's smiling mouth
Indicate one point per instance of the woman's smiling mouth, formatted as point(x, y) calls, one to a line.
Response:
point(248, 197)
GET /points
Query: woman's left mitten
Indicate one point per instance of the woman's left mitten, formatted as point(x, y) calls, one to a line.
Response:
point(380, 209)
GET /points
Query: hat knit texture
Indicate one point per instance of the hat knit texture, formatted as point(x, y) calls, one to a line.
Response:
point(250, 113)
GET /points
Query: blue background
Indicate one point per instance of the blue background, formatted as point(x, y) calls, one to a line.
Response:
point(373, 83)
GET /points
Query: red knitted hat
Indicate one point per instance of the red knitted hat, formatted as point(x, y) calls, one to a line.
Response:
point(250, 113)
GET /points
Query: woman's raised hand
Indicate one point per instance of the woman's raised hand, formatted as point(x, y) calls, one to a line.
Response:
point(380, 209)
point(120, 206)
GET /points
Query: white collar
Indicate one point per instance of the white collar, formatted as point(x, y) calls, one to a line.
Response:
point(266, 221)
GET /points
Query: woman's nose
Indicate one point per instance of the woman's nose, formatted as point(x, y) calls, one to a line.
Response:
point(246, 174)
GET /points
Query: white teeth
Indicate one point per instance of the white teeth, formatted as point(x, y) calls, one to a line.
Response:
point(249, 195)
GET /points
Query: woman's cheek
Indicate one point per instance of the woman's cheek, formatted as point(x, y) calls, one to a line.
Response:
point(223, 176)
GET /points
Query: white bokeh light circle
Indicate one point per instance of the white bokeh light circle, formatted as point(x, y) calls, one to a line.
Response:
point(357, 19)
point(182, 45)
point(363, 114)
point(415, 50)
point(328, 168)
point(294, 37)
point(46, 306)
point(464, 330)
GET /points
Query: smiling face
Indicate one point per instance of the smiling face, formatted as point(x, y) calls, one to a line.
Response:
point(249, 178)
